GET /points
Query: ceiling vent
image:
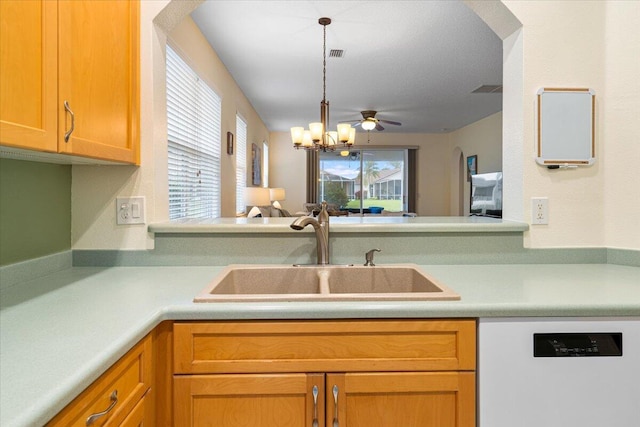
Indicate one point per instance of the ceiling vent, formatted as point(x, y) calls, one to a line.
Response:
point(336, 53)
point(489, 89)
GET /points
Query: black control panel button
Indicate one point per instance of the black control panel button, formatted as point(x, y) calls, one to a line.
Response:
point(577, 344)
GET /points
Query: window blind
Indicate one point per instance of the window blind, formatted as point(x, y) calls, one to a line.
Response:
point(241, 164)
point(193, 130)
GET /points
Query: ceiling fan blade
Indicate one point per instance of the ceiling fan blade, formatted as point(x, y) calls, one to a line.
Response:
point(356, 124)
point(391, 122)
point(379, 126)
point(353, 122)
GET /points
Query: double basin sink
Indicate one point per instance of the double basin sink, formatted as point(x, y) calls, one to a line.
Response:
point(245, 283)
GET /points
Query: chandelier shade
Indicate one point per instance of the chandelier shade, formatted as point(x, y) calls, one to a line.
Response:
point(318, 137)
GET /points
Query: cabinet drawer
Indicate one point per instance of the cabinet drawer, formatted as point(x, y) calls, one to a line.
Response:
point(324, 346)
point(130, 376)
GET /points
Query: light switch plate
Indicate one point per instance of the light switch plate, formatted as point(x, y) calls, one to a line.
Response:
point(129, 210)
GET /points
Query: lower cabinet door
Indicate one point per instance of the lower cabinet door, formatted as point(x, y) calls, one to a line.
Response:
point(407, 399)
point(260, 400)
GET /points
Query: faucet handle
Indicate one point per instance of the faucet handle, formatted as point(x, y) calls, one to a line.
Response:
point(323, 215)
point(368, 257)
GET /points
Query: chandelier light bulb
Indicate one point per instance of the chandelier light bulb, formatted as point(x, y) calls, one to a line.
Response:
point(352, 136)
point(297, 133)
point(306, 139)
point(316, 130)
point(343, 132)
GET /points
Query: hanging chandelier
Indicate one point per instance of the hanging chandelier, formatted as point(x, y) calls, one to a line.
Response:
point(317, 137)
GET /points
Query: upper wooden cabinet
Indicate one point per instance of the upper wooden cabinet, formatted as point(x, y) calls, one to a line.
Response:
point(29, 74)
point(70, 77)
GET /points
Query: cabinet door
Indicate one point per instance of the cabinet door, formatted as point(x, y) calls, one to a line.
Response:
point(408, 399)
point(28, 74)
point(260, 400)
point(99, 78)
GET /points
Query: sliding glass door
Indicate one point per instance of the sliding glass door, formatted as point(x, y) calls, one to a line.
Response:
point(363, 180)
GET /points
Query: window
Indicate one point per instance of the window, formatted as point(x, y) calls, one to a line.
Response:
point(241, 164)
point(366, 178)
point(193, 130)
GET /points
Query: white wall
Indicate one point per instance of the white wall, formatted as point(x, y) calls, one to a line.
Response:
point(288, 168)
point(621, 134)
point(563, 47)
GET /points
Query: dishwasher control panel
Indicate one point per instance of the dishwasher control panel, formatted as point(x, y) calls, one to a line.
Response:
point(577, 344)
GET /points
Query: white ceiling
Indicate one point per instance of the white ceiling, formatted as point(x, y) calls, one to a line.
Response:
point(415, 62)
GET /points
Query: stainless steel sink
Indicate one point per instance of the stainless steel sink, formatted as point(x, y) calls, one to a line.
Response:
point(324, 283)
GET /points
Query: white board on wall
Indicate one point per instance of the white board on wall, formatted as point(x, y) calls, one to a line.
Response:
point(565, 127)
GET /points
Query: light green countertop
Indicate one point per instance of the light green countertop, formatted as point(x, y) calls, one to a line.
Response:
point(61, 332)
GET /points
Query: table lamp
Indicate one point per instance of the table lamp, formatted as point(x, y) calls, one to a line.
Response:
point(256, 196)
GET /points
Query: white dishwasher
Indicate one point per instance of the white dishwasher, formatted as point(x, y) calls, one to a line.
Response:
point(559, 372)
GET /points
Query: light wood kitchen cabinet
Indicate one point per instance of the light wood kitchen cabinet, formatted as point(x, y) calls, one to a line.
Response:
point(70, 77)
point(385, 372)
point(121, 396)
point(257, 400)
point(29, 74)
point(421, 399)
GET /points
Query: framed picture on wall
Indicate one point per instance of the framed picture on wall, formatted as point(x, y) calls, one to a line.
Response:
point(472, 166)
point(256, 162)
point(229, 143)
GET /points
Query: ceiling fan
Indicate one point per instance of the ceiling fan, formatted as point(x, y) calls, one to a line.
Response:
point(369, 121)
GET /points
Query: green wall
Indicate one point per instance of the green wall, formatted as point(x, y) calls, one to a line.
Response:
point(35, 210)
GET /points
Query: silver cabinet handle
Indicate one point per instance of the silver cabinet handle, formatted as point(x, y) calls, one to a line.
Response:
point(114, 400)
point(68, 133)
point(335, 400)
point(315, 406)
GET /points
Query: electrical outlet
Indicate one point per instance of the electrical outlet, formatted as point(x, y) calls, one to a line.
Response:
point(539, 210)
point(129, 210)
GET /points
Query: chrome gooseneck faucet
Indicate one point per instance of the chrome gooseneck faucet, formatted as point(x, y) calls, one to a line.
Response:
point(321, 227)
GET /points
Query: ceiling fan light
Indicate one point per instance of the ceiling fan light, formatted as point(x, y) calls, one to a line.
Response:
point(368, 125)
point(344, 132)
point(344, 153)
point(297, 133)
